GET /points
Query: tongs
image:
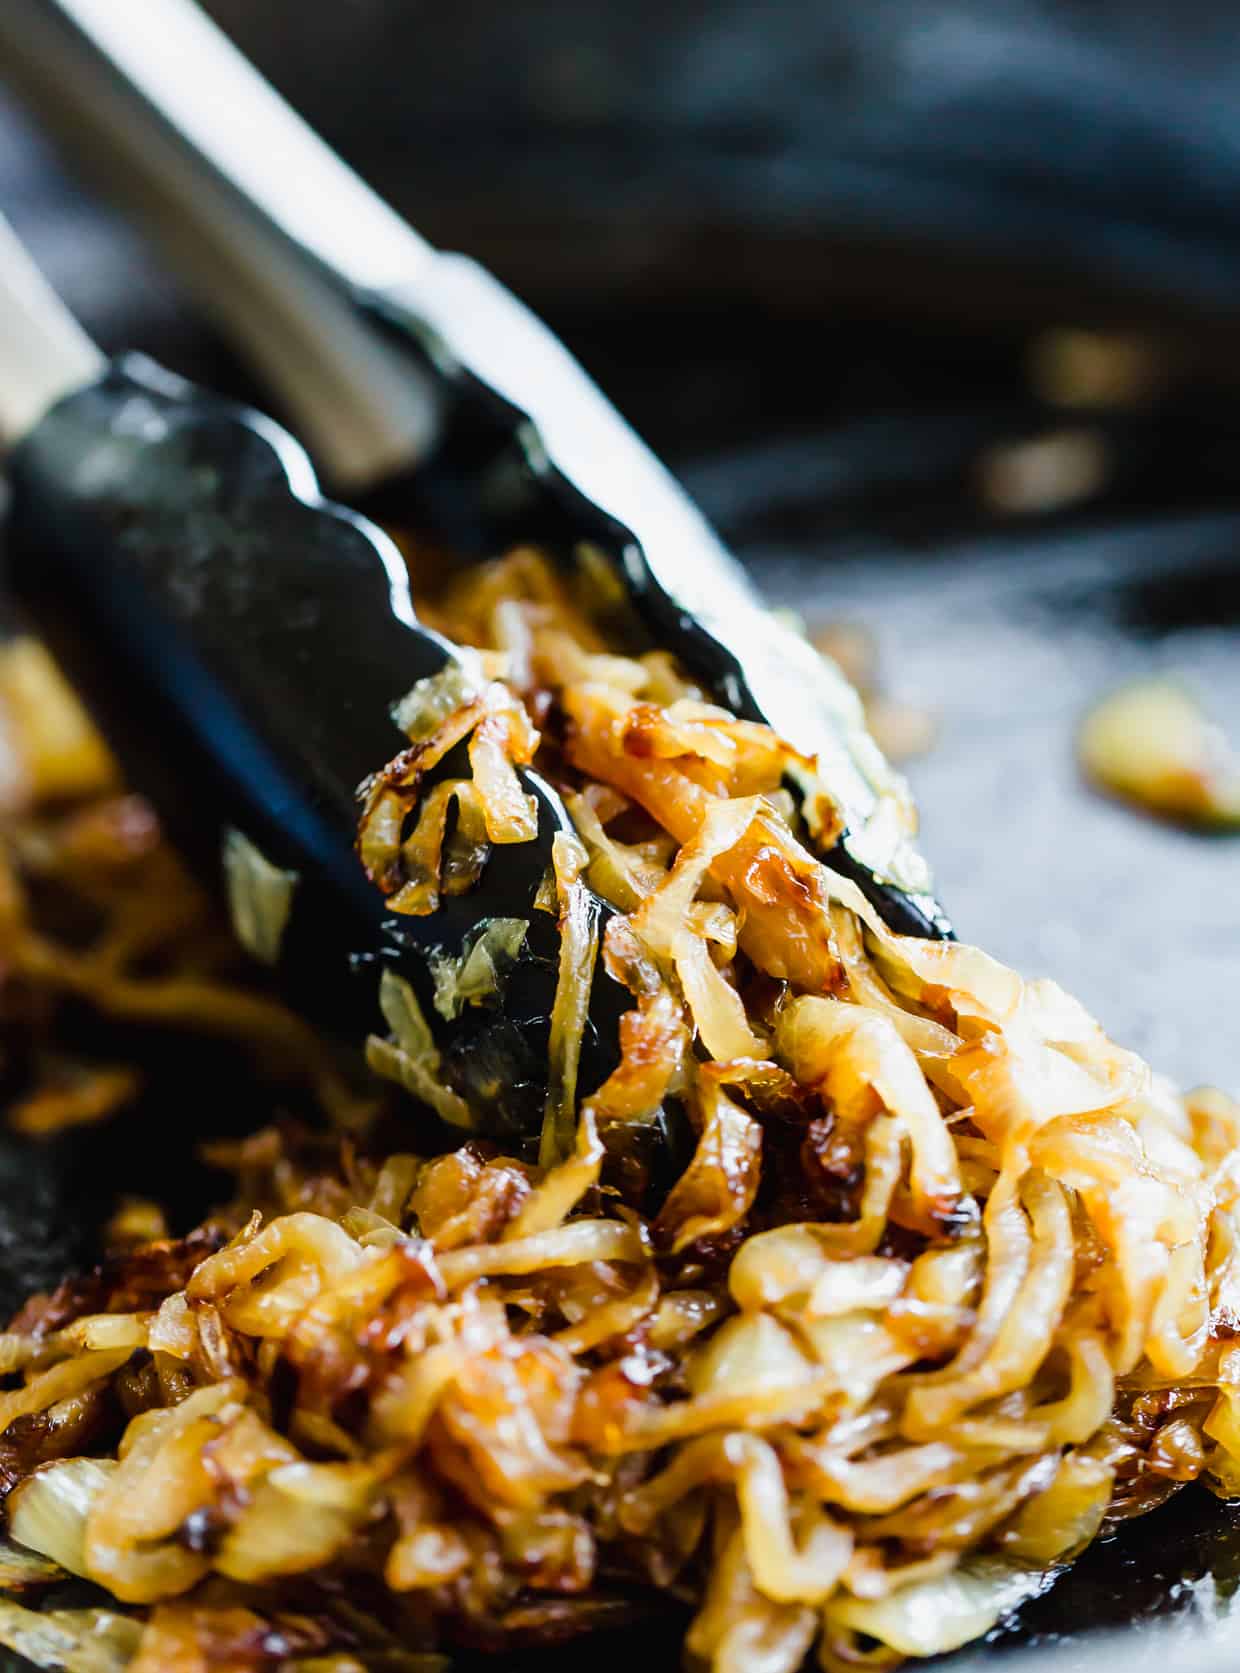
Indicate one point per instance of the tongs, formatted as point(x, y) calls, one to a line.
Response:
point(178, 553)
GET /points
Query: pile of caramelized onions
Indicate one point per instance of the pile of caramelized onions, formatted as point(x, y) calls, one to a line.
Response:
point(946, 1282)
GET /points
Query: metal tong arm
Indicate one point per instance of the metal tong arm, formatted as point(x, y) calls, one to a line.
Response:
point(259, 216)
point(281, 241)
point(44, 353)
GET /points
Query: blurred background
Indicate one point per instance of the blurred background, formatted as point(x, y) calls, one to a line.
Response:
point(933, 304)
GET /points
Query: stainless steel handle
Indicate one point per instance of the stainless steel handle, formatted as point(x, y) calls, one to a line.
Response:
point(266, 224)
point(188, 71)
point(44, 353)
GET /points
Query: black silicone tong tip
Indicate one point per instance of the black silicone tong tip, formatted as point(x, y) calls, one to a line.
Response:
point(242, 642)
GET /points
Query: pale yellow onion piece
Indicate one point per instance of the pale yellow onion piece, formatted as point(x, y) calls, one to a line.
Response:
point(466, 850)
point(1017, 1437)
point(1152, 744)
point(692, 1465)
point(95, 1333)
point(424, 708)
point(1180, 1322)
point(578, 921)
point(1008, 1249)
point(379, 835)
point(617, 872)
point(21, 1568)
point(555, 1197)
point(503, 736)
point(659, 919)
point(105, 1332)
point(868, 1574)
point(260, 897)
point(784, 1571)
point(389, 796)
point(477, 974)
point(949, 1276)
point(1213, 1125)
point(613, 1318)
point(929, 1039)
point(1018, 1081)
point(70, 1640)
point(404, 1016)
point(61, 751)
point(422, 851)
point(407, 1402)
point(297, 1518)
point(876, 1486)
point(18, 1350)
point(429, 1555)
point(777, 1265)
point(1091, 1393)
point(737, 1629)
point(717, 1009)
point(1062, 1021)
point(512, 633)
point(327, 1309)
point(1025, 1334)
point(571, 1245)
point(856, 1351)
point(716, 923)
point(599, 668)
point(160, 1480)
point(977, 985)
point(1138, 1219)
point(308, 1251)
point(883, 1163)
point(390, 1062)
point(794, 1263)
point(61, 1382)
point(1069, 1064)
point(1067, 1516)
point(682, 1315)
point(761, 1406)
point(717, 1189)
point(749, 1353)
point(174, 1329)
point(1085, 1152)
point(1168, 1144)
point(412, 1059)
point(1223, 1265)
point(47, 1512)
point(394, 1186)
point(934, 1616)
point(371, 1230)
point(852, 1053)
point(866, 1283)
point(1223, 1427)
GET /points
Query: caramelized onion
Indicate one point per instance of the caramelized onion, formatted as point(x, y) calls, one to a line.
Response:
point(872, 1283)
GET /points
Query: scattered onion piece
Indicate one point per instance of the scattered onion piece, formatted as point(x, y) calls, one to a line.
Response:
point(1151, 744)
